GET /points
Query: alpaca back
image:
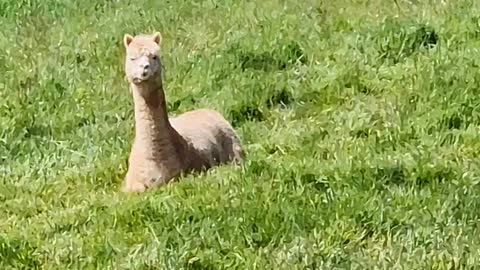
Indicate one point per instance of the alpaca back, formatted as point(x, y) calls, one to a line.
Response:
point(211, 138)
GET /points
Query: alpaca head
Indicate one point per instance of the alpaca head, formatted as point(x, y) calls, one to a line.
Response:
point(142, 59)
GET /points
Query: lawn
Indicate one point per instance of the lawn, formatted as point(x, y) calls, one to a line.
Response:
point(360, 121)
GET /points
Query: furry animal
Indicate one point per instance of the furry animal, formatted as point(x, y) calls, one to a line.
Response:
point(165, 148)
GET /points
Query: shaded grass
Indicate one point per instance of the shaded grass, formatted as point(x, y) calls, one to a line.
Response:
point(360, 123)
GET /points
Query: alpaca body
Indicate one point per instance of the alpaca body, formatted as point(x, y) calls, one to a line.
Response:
point(165, 148)
point(209, 135)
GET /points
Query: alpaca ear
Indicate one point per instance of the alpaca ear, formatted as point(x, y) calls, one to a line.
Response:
point(127, 39)
point(157, 38)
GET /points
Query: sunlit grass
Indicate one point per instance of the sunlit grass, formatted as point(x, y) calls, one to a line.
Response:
point(360, 121)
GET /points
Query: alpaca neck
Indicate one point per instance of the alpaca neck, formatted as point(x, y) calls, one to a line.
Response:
point(152, 127)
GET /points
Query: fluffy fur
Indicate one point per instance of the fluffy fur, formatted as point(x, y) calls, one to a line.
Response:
point(165, 148)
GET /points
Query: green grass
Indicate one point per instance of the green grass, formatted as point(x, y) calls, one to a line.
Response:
point(361, 123)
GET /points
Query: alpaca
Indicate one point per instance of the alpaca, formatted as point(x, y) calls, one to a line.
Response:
point(165, 148)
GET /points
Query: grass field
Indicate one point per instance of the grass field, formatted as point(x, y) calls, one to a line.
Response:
point(360, 119)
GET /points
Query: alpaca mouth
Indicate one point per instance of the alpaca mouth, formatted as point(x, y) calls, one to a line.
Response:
point(137, 80)
point(143, 77)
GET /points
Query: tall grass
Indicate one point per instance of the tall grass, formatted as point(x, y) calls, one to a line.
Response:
point(360, 120)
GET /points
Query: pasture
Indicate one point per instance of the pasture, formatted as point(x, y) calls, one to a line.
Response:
point(360, 121)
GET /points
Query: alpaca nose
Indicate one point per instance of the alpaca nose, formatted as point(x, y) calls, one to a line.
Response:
point(146, 66)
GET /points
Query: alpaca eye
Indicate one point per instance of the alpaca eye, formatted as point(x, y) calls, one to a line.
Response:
point(154, 57)
point(132, 58)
